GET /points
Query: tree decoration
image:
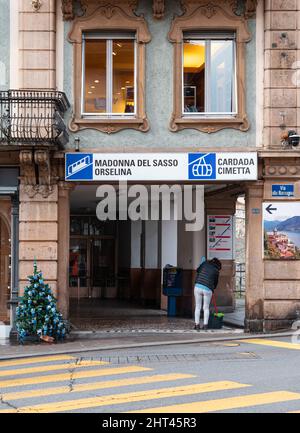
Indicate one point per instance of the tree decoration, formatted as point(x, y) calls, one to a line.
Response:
point(37, 313)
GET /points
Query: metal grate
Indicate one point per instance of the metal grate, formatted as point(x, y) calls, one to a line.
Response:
point(33, 116)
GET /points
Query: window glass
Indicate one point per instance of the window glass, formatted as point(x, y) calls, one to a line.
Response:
point(123, 76)
point(209, 76)
point(95, 76)
point(221, 76)
point(194, 76)
point(109, 75)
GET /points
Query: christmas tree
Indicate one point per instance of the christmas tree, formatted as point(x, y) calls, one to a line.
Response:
point(37, 313)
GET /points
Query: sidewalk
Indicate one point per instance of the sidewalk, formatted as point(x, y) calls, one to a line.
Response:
point(236, 318)
point(126, 341)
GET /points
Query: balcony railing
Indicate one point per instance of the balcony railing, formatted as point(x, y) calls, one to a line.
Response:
point(33, 116)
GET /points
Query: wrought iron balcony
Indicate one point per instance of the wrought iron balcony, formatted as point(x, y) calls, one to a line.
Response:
point(33, 117)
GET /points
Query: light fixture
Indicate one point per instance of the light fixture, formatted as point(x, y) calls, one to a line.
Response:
point(77, 143)
point(123, 88)
point(90, 93)
point(127, 82)
point(96, 81)
point(119, 45)
point(114, 53)
point(93, 87)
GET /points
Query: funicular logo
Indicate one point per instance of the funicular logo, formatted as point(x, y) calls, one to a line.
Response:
point(79, 166)
point(202, 166)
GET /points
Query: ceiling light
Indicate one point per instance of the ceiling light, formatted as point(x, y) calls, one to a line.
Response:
point(96, 81)
point(93, 87)
point(127, 82)
point(114, 53)
point(123, 88)
point(119, 45)
point(90, 93)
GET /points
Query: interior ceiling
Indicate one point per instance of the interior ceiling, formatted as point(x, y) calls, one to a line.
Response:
point(83, 197)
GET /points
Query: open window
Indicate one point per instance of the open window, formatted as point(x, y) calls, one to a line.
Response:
point(209, 69)
point(109, 70)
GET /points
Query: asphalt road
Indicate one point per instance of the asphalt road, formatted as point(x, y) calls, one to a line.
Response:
point(246, 376)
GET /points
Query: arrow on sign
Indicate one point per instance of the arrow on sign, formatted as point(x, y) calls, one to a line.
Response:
point(270, 209)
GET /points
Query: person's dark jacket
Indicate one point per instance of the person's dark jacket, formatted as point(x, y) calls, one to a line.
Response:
point(208, 275)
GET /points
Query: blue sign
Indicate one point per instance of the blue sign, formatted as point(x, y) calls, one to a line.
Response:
point(79, 166)
point(282, 190)
point(202, 166)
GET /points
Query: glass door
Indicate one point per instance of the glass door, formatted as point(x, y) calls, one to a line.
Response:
point(79, 267)
point(103, 266)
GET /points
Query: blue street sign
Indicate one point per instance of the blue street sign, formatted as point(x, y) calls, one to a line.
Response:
point(202, 166)
point(282, 190)
point(79, 166)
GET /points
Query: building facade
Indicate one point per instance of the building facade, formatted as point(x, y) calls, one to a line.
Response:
point(145, 77)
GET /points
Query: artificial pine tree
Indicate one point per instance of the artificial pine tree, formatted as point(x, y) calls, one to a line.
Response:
point(37, 314)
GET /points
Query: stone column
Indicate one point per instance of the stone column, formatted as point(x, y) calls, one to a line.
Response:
point(64, 189)
point(37, 31)
point(254, 259)
point(38, 233)
point(281, 40)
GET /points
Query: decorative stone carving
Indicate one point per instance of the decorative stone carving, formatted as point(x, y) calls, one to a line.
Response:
point(36, 5)
point(275, 168)
point(250, 8)
point(28, 176)
point(42, 160)
point(67, 10)
point(158, 9)
point(33, 190)
point(246, 10)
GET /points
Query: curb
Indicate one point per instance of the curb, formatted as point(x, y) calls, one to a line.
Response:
point(151, 344)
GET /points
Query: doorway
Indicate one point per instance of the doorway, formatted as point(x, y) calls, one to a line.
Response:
point(93, 258)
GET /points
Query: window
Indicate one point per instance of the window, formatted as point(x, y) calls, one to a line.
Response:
point(109, 75)
point(209, 78)
point(209, 68)
point(109, 69)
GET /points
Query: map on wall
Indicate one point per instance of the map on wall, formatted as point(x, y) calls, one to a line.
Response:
point(281, 228)
point(220, 237)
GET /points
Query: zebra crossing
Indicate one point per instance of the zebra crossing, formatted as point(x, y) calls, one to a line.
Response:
point(64, 383)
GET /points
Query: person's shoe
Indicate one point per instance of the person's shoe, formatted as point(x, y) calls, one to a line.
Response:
point(197, 327)
point(205, 327)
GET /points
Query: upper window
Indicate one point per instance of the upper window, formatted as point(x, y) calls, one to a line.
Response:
point(209, 74)
point(109, 76)
point(209, 67)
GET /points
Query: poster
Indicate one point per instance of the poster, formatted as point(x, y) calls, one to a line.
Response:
point(281, 228)
point(220, 237)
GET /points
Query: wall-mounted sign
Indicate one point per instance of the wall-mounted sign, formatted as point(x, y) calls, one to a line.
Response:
point(286, 190)
point(220, 237)
point(160, 166)
point(281, 228)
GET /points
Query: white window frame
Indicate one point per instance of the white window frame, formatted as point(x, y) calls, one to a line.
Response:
point(109, 38)
point(207, 38)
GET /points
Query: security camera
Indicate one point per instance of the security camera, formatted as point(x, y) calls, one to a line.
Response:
point(293, 138)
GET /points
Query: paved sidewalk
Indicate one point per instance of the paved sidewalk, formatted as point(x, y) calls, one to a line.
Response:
point(116, 341)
